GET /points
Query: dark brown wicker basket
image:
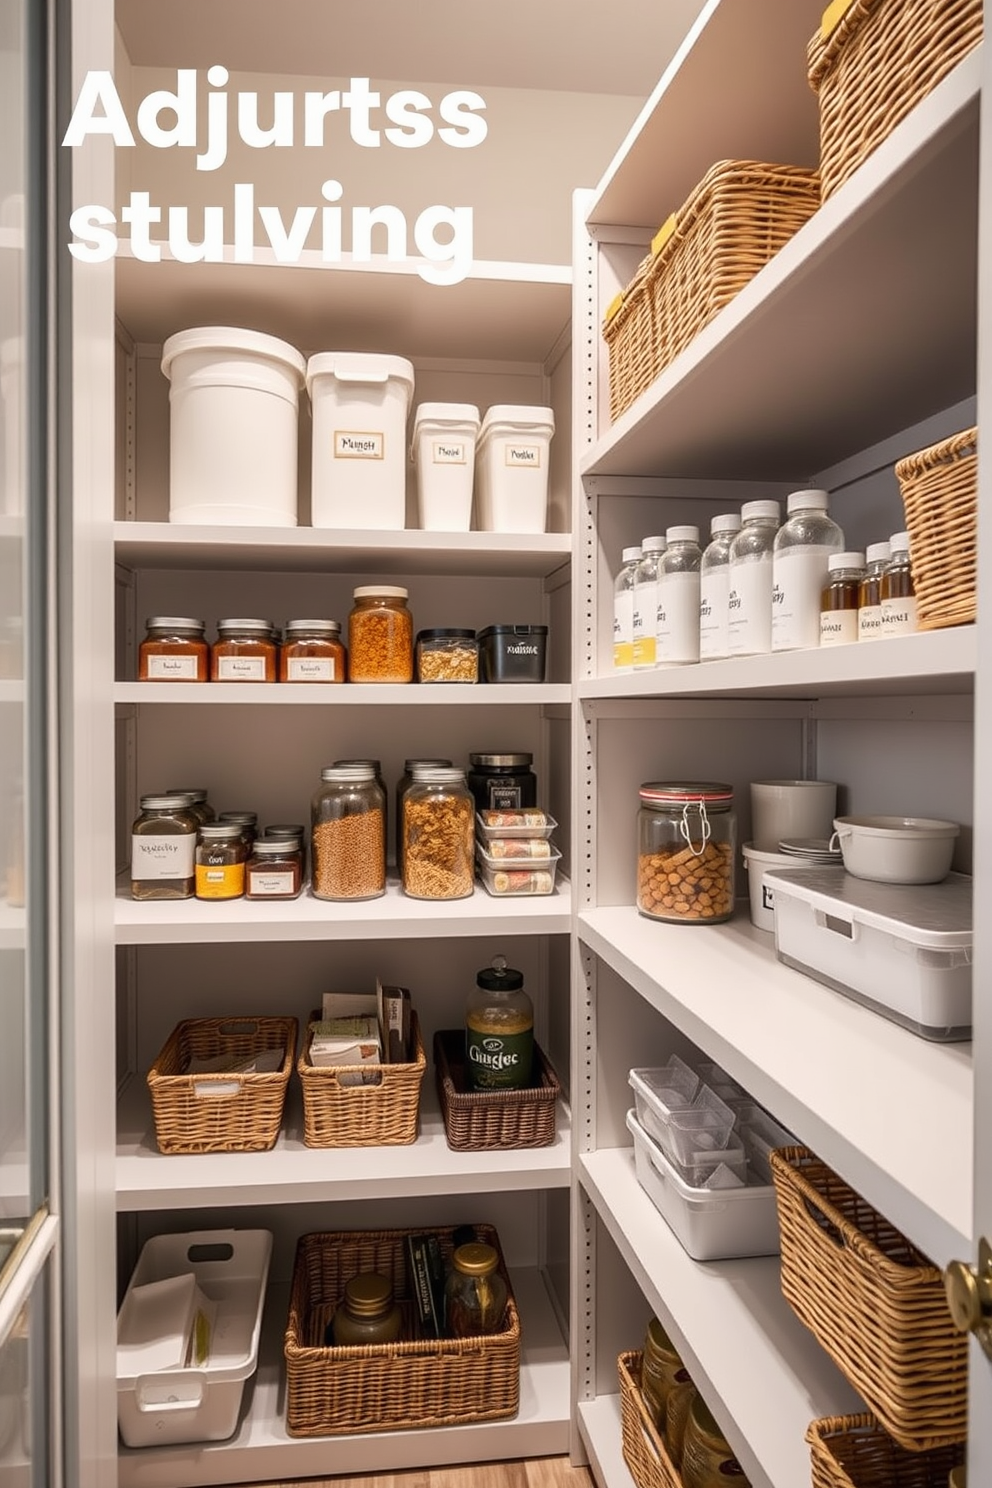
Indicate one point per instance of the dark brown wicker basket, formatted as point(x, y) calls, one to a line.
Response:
point(854, 1452)
point(493, 1120)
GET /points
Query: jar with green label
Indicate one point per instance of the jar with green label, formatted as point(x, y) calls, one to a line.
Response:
point(499, 1032)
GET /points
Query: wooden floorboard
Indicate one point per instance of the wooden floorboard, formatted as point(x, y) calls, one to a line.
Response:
point(538, 1472)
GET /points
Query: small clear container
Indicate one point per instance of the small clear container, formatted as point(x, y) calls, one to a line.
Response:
point(447, 655)
point(244, 651)
point(839, 599)
point(380, 635)
point(174, 650)
point(502, 881)
point(877, 556)
point(513, 822)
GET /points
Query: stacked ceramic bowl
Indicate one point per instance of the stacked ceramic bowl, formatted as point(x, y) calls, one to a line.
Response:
point(896, 849)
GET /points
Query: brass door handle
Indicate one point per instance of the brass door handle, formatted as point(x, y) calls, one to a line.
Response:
point(969, 1296)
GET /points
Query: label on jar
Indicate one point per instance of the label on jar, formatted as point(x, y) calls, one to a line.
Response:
point(358, 444)
point(154, 856)
point(623, 630)
point(177, 668)
point(277, 884)
point(645, 608)
point(899, 616)
point(241, 668)
point(311, 669)
point(220, 881)
point(503, 797)
point(749, 606)
point(714, 592)
point(448, 452)
point(798, 577)
point(527, 456)
point(838, 627)
point(499, 1061)
point(677, 637)
point(870, 623)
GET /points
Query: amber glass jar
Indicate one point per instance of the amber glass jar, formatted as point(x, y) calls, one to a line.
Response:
point(244, 651)
point(174, 650)
point(380, 635)
point(275, 869)
point(368, 1313)
point(707, 1460)
point(221, 854)
point(163, 849)
point(312, 651)
point(475, 1294)
point(660, 1364)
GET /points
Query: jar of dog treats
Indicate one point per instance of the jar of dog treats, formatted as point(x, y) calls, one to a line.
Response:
point(687, 836)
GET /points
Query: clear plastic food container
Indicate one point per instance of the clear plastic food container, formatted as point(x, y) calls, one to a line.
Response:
point(513, 822)
point(684, 1125)
point(522, 880)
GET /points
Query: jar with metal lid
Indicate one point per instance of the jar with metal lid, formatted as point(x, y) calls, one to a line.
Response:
point(221, 855)
point(368, 1313)
point(447, 655)
point(244, 651)
point(840, 598)
point(660, 1364)
point(410, 767)
point(499, 1030)
point(707, 1459)
point(247, 821)
point(438, 836)
point(199, 805)
point(502, 782)
point(348, 834)
point(312, 651)
point(163, 849)
point(380, 635)
point(275, 869)
point(475, 1294)
point(687, 837)
point(898, 590)
point(174, 650)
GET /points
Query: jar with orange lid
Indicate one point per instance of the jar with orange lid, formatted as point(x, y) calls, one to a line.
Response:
point(244, 651)
point(312, 651)
point(174, 650)
point(380, 635)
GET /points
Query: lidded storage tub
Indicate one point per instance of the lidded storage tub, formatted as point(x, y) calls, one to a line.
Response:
point(443, 451)
point(360, 404)
point(234, 404)
point(511, 468)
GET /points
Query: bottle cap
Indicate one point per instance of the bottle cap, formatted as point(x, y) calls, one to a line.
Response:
point(899, 541)
point(752, 510)
point(728, 522)
point(878, 552)
point(368, 1294)
point(845, 560)
point(243, 818)
point(380, 591)
point(629, 554)
point(475, 1259)
point(174, 622)
point(198, 792)
point(808, 501)
point(683, 534)
point(499, 977)
point(177, 802)
point(220, 832)
point(654, 545)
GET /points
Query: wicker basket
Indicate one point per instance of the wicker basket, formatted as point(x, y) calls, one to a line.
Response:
point(338, 1114)
point(873, 1301)
point(871, 63)
point(940, 493)
point(644, 1451)
point(492, 1120)
point(388, 1386)
point(219, 1112)
point(854, 1452)
point(737, 218)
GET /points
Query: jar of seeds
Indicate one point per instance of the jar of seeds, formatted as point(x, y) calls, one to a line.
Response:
point(348, 834)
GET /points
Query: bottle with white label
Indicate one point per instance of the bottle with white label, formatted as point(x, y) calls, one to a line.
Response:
point(623, 611)
point(163, 849)
point(870, 592)
point(677, 635)
point(749, 605)
point(714, 588)
point(646, 602)
point(839, 599)
point(898, 594)
point(803, 544)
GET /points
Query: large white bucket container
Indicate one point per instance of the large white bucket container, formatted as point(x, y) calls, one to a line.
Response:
point(234, 405)
point(443, 451)
point(360, 405)
point(511, 468)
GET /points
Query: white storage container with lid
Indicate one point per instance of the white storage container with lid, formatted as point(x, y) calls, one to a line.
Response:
point(443, 451)
point(360, 404)
point(234, 412)
point(511, 474)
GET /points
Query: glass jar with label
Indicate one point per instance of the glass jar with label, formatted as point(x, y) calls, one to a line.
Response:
point(438, 836)
point(247, 821)
point(174, 650)
point(687, 835)
point(877, 556)
point(707, 1459)
point(677, 634)
point(475, 1294)
point(502, 782)
point(623, 610)
point(410, 768)
point(244, 651)
point(199, 805)
point(714, 588)
point(312, 651)
point(645, 621)
point(163, 849)
point(749, 606)
point(499, 1030)
point(275, 869)
point(380, 635)
point(348, 834)
point(803, 544)
point(899, 615)
point(839, 600)
point(221, 855)
point(368, 1312)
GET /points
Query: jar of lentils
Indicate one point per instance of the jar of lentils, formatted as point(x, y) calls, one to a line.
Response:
point(348, 834)
point(438, 836)
point(686, 843)
point(380, 635)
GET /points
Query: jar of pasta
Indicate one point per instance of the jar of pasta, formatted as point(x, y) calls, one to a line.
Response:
point(438, 836)
point(244, 651)
point(174, 650)
point(348, 834)
point(380, 635)
point(312, 651)
point(499, 1030)
point(686, 844)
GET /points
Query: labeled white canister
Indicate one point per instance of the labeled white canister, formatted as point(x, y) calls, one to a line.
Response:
point(511, 468)
point(443, 452)
point(234, 412)
point(360, 405)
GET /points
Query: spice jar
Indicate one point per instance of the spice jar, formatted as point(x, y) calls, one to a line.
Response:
point(502, 781)
point(368, 1312)
point(221, 854)
point(348, 836)
point(438, 836)
point(199, 805)
point(163, 849)
point(877, 556)
point(312, 651)
point(447, 656)
point(686, 844)
point(410, 767)
point(245, 651)
point(275, 869)
point(174, 650)
point(707, 1460)
point(380, 635)
point(839, 600)
point(499, 1030)
point(660, 1364)
point(475, 1294)
point(247, 821)
point(898, 592)
point(294, 833)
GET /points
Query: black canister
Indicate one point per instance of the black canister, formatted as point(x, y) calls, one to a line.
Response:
point(513, 653)
point(502, 781)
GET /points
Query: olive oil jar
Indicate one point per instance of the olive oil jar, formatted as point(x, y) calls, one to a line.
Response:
point(499, 1032)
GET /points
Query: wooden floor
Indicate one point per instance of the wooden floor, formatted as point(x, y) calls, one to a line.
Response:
point(538, 1472)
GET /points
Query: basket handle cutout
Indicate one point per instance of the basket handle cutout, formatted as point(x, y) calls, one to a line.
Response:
point(220, 1250)
point(239, 1027)
point(824, 1223)
point(217, 1089)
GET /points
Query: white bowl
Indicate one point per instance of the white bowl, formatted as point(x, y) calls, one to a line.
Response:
point(896, 849)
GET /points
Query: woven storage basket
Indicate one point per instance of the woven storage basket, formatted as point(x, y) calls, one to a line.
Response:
point(940, 494)
point(872, 61)
point(388, 1386)
point(643, 1449)
point(628, 331)
point(854, 1452)
point(337, 1114)
point(218, 1112)
point(492, 1120)
point(873, 1301)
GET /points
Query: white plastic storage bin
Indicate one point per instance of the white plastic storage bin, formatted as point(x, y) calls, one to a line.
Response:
point(903, 950)
point(233, 421)
point(443, 452)
point(511, 468)
point(360, 405)
point(170, 1406)
point(711, 1224)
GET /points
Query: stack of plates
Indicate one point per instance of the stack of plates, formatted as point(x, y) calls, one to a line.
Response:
point(810, 850)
